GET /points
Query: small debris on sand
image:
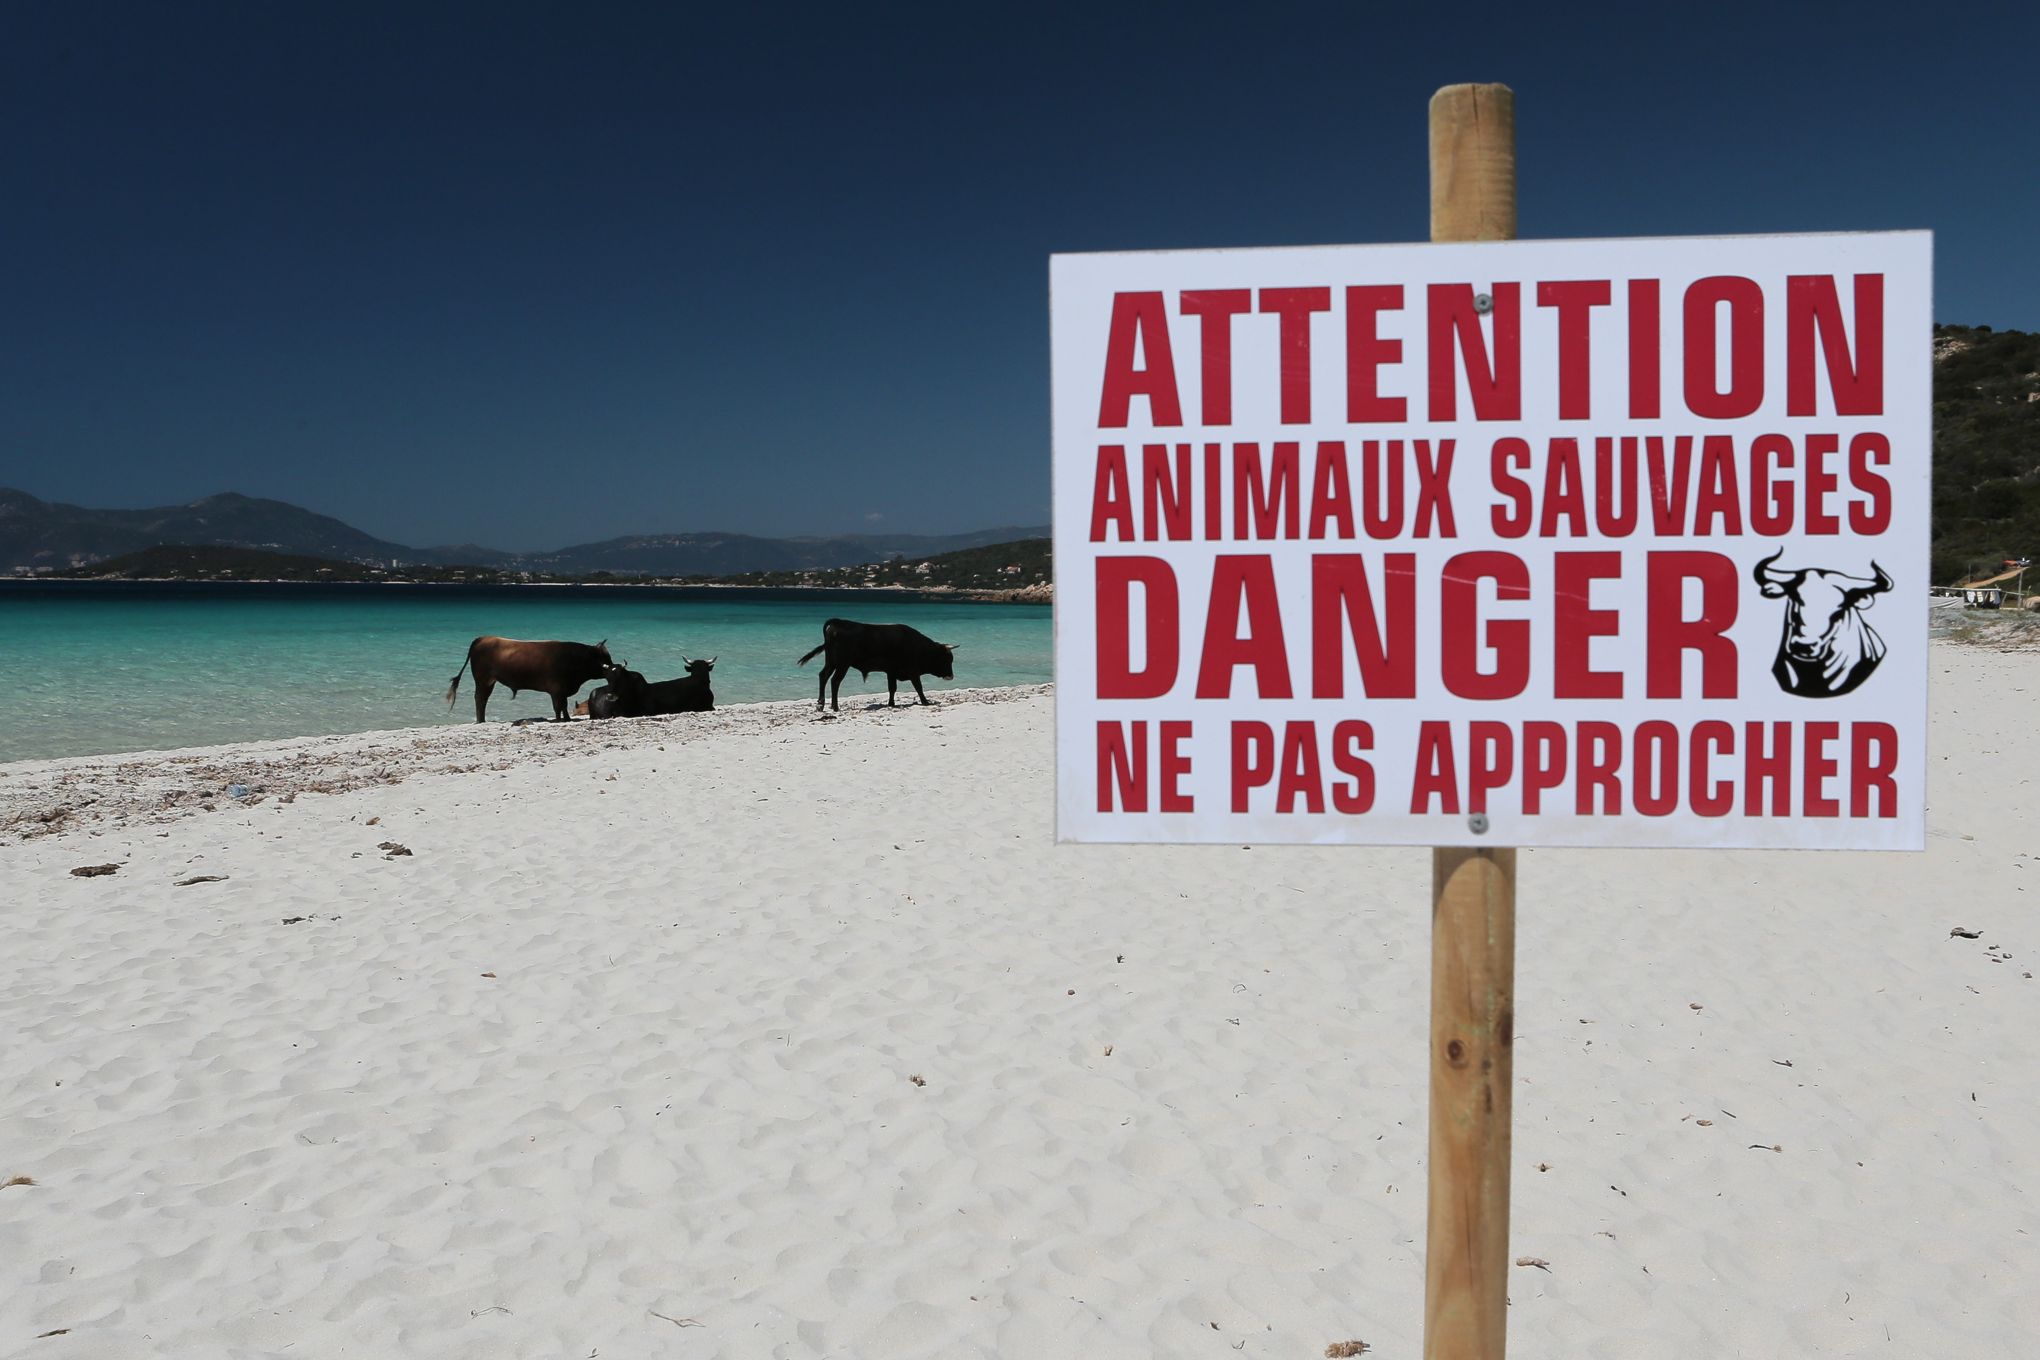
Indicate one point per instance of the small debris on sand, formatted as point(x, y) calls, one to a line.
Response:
point(93, 870)
point(677, 1322)
point(16, 1180)
point(918, 1079)
point(394, 849)
point(1338, 1350)
point(202, 878)
point(1959, 933)
point(1537, 1261)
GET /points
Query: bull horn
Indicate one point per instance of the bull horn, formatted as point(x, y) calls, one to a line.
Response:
point(1766, 574)
point(950, 645)
point(1876, 585)
point(686, 660)
point(709, 662)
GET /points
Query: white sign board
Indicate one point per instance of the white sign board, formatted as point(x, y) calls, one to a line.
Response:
point(1611, 542)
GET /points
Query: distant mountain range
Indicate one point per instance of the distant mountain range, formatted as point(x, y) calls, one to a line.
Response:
point(39, 534)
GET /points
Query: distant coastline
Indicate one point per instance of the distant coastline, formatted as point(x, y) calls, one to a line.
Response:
point(1039, 594)
point(1002, 573)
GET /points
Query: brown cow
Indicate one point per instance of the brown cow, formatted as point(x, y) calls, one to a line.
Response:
point(557, 669)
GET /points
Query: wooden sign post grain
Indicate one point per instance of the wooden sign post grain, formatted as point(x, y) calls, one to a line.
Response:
point(1473, 891)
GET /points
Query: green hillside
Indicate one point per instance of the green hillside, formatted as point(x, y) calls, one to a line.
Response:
point(1986, 450)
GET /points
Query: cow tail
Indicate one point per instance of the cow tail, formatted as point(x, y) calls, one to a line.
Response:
point(828, 631)
point(455, 686)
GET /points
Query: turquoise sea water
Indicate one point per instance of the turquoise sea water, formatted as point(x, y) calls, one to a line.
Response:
point(91, 668)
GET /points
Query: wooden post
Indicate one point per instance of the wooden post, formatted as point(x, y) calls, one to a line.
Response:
point(1473, 891)
point(1473, 163)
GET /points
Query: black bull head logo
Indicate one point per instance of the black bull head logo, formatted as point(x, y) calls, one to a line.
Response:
point(1826, 649)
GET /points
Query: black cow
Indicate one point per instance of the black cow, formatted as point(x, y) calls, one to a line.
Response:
point(627, 695)
point(896, 650)
point(1827, 649)
point(559, 669)
point(689, 693)
point(622, 697)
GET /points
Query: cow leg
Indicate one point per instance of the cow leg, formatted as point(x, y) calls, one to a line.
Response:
point(836, 691)
point(892, 691)
point(559, 707)
point(920, 693)
point(482, 691)
point(822, 687)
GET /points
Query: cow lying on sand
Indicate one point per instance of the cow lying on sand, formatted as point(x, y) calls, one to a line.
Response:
point(628, 696)
point(556, 669)
point(622, 697)
point(689, 693)
point(896, 650)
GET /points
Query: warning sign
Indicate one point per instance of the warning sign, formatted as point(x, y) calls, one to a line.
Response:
point(1523, 543)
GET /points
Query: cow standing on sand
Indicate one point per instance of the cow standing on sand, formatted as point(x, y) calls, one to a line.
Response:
point(896, 650)
point(557, 669)
point(1827, 649)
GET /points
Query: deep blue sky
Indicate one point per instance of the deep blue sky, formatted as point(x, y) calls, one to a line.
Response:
point(533, 274)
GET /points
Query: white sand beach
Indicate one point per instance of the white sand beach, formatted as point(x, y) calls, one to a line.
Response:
point(752, 1035)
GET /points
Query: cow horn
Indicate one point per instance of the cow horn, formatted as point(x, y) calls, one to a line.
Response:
point(686, 660)
point(950, 645)
point(709, 662)
point(1767, 574)
point(1876, 585)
